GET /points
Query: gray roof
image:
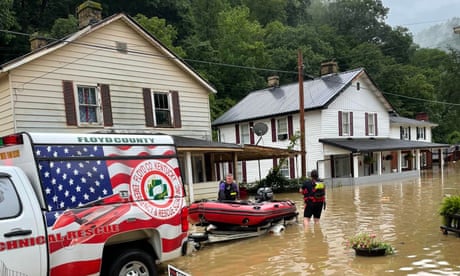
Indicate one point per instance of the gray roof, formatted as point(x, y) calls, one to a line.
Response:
point(318, 93)
point(379, 144)
point(397, 120)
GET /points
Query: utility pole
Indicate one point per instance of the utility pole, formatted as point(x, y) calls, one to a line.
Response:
point(302, 115)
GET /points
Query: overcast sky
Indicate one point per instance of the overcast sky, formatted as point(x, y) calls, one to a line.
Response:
point(417, 15)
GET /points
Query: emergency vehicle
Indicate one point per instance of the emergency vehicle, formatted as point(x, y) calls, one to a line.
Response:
point(90, 204)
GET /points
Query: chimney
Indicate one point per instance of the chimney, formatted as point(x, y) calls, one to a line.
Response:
point(328, 67)
point(36, 41)
point(88, 13)
point(422, 116)
point(273, 81)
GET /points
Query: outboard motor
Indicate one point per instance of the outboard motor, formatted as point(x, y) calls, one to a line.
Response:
point(264, 194)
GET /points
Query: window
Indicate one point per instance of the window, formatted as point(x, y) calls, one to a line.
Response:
point(282, 129)
point(9, 201)
point(346, 121)
point(244, 134)
point(371, 127)
point(421, 133)
point(284, 167)
point(88, 105)
point(162, 109)
point(405, 133)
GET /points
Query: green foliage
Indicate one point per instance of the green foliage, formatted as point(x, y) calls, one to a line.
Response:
point(64, 26)
point(450, 205)
point(165, 33)
point(368, 241)
point(275, 180)
point(453, 138)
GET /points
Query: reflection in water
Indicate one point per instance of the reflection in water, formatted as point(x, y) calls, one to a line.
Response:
point(403, 213)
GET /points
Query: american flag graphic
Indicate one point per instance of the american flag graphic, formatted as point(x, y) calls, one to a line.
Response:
point(70, 183)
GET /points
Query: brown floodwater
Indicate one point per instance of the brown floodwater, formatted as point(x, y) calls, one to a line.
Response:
point(403, 213)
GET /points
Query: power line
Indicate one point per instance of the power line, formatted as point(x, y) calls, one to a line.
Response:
point(104, 47)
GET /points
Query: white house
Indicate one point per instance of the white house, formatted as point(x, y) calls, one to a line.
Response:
point(350, 128)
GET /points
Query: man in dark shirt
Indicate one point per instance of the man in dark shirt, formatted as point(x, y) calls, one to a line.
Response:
point(228, 189)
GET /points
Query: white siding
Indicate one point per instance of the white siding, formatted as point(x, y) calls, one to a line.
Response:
point(38, 84)
point(6, 111)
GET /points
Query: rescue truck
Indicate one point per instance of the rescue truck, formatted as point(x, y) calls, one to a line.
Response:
point(90, 204)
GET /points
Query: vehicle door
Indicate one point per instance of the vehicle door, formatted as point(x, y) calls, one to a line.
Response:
point(22, 231)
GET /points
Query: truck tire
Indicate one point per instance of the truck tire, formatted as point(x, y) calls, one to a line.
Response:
point(133, 262)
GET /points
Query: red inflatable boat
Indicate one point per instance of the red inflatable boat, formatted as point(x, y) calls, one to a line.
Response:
point(225, 214)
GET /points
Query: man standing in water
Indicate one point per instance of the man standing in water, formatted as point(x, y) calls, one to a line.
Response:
point(228, 189)
point(314, 196)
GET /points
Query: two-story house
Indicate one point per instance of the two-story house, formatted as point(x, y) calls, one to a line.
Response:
point(349, 129)
point(114, 76)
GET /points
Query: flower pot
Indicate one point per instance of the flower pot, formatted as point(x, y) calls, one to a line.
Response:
point(370, 252)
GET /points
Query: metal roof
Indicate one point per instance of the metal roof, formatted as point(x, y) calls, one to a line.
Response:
point(318, 93)
point(410, 122)
point(378, 144)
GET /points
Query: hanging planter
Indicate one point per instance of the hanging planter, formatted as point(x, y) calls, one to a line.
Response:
point(368, 159)
point(389, 157)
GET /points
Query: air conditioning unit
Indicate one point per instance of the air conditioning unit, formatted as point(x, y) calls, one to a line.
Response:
point(282, 137)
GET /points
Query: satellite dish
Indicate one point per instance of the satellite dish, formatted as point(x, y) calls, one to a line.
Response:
point(260, 129)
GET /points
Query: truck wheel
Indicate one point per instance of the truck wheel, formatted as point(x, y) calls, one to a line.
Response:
point(133, 262)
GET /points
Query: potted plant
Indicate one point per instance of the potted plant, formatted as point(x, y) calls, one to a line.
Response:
point(450, 210)
point(368, 159)
point(367, 244)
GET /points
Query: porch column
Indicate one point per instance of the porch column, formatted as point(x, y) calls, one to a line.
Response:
point(399, 161)
point(379, 163)
point(417, 159)
point(189, 173)
point(441, 158)
point(355, 166)
point(235, 167)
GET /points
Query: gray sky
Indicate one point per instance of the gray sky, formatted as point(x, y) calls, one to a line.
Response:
point(417, 15)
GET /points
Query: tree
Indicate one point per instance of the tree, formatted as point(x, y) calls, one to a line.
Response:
point(165, 33)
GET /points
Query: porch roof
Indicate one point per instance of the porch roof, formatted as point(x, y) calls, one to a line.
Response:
point(224, 152)
point(356, 145)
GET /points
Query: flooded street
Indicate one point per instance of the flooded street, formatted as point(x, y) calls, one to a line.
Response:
point(404, 214)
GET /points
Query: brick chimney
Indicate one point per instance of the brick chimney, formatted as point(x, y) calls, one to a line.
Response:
point(328, 67)
point(422, 116)
point(36, 41)
point(273, 81)
point(88, 13)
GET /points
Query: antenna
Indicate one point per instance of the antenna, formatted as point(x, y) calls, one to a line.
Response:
point(260, 128)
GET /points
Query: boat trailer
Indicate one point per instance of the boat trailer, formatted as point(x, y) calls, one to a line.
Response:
point(212, 234)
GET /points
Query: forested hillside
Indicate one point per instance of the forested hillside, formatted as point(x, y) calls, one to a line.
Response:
point(237, 44)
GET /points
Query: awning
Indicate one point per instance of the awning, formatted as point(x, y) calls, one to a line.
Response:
point(224, 152)
point(356, 145)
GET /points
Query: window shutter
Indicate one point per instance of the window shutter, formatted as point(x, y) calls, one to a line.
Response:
point(148, 107)
point(366, 123)
point(351, 123)
point(69, 103)
point(340, 123)
point(409, 134)
point(106, 104)
point(417, 133)
point(251, 133)
point(275, 163)
point(176, 109)
point(290, 127)
point(273, 122)
point(424, 133)
point(401, 132)
point(376, 132)
point(237, 133)
point(243, 167)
